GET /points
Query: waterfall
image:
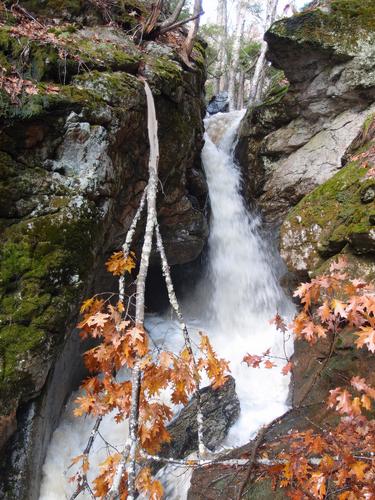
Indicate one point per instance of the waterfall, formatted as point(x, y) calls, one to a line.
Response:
point(244, 293)
point(234, 303)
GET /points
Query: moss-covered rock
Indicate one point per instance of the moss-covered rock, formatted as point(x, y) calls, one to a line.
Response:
point(333, 216)
point(41, 273)
point(73, 164)
point(347, 25)
point(299, 137)
point(125, 13)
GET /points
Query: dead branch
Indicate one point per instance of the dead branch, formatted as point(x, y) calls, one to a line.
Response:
point(171, 20)
point(180, 23)
point(151, 23)
point(193, 31)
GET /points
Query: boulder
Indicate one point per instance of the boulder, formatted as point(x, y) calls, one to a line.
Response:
point(333, 217)
point(298, 137)
point(220, 409)
point(218, 104)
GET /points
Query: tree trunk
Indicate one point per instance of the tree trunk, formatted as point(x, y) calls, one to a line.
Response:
point(221, 80)
point(236, 55)
point(152, 20)
point(241, 90)
point(194, 27)
point(256, 89)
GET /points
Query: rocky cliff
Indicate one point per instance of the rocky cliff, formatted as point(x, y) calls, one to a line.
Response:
point(73, 164)
point(298, 138)
point(307, 158)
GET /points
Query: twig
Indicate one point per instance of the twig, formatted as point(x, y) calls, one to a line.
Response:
point(85, 485)
point(181, 23)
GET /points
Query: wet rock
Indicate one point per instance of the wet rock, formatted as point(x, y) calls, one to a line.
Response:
point(368, 195)
point(220, 408)
point(218, 104)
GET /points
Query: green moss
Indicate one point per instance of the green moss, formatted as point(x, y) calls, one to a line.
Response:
point(43, 103)
point(166, 69)
point(42, 269)
point(335, 215)
point(360, 13)
point(118, 88)
point(199, 54)
point(15, 261)
point(15, 341)
point(52, 7)
point(276, 94)
point(343, 30)
point(93, 54)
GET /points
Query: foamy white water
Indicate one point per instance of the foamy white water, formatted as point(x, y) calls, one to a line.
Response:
point(233, 303)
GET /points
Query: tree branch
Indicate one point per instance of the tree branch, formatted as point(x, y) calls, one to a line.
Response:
point(128, 242)
point(152, 188)
point(173, 18)
point(189, 43)
point(181, 23)
point(175, 306)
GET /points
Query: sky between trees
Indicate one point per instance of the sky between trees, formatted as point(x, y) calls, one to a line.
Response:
point(210, 8)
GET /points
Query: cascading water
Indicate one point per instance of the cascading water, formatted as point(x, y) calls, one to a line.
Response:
point(237, 298)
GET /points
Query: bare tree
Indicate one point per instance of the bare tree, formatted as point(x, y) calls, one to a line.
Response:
point(240, 24)
point(221, 79)
point(257, 83)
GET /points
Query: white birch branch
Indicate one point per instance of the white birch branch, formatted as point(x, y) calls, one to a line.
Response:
point(129, 454)
point(259, 73)
point(175, 306)
point(239, 462)
point(128, 242)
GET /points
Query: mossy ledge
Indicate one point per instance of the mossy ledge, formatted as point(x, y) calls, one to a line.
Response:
point(335, 217)
point(348, 25)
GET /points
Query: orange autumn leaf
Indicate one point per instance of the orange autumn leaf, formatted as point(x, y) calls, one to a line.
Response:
point(149, 486)
point(358, 469)
point(287, 368)
point(118, 265)
point(253, 361)
point(366, 338)
point(268, 364)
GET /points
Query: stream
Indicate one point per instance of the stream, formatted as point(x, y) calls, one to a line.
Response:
point(234, 302)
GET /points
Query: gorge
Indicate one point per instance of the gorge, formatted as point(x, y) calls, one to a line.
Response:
point(287, 172)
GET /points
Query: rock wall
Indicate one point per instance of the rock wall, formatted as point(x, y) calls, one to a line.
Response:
point(298, 138)
point(73, 165)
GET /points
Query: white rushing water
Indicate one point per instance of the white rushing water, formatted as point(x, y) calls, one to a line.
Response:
point(233, 303)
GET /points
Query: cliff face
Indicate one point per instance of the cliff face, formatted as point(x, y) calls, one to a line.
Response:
point(297, 139)
point(73, 165)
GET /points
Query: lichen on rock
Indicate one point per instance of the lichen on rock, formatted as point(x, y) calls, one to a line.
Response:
point(333, 217)
point(73, 165)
